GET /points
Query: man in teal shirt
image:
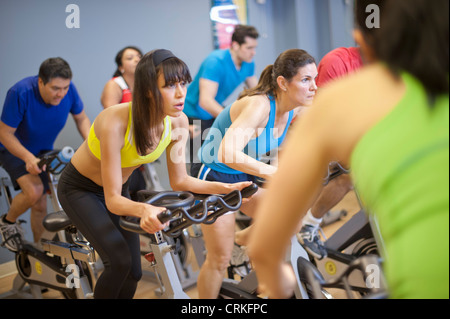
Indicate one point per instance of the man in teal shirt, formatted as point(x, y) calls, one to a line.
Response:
point(220, 74)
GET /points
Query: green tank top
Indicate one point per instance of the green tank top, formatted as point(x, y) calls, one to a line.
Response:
point(400, 169)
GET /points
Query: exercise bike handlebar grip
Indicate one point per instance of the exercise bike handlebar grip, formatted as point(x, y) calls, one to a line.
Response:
point(56, 160)
point(134, 226)
point(217, 204)
point(46, 158)
point(169, 199)
point(165, 216)
point(246, 192)
point(194, 215)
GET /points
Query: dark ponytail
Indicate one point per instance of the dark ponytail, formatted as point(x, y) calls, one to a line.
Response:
point(265, 84)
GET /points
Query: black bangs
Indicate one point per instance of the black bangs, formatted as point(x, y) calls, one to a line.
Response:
point(175, 71)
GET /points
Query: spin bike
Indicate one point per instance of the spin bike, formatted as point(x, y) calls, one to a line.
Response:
point(350, 250)
point(63, 260)
point(188, 238)
point(358, 237)
point(181, 214)
point(310, 284)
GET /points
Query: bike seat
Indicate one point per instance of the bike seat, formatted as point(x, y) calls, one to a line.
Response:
point(56, 221)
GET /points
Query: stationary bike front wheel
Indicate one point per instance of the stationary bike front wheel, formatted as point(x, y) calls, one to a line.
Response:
point(23, 265)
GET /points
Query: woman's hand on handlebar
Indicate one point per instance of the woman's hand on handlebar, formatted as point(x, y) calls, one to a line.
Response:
point(240, 186)
point(225, 188)
point(149, 221)
point(236, 186)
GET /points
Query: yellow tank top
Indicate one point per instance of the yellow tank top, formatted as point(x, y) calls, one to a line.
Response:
point(128, 153)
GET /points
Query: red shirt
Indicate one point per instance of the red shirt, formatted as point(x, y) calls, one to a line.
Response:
point(338, 63)
point(127, 96)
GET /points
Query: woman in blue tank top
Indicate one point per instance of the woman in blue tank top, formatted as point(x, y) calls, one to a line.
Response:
point(251, 127)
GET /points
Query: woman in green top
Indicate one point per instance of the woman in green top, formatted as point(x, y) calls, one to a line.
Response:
point(390, 124)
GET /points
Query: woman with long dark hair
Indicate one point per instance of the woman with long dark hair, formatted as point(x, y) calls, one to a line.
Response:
point(120, 89)
point(93, 189)
point(251, 127)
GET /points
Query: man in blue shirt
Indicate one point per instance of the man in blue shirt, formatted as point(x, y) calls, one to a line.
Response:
point(220, 74)
point(35, 111)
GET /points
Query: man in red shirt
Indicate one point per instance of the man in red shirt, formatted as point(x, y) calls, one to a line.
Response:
point(336, 64)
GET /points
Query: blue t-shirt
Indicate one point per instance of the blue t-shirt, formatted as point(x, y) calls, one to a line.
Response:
point(220, 68)
point(37, 123)
point(256, 148)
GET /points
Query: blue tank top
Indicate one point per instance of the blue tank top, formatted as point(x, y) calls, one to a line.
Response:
point(257, 147)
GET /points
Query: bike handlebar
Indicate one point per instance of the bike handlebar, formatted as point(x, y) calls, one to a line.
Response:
point(47, 158)
point(365, 264)
point(206, 211)
point(54, 160)
point(168, 199)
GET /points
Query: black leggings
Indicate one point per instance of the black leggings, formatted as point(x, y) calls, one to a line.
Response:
point(84, 203)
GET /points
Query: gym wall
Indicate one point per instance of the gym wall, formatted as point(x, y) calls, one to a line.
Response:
point(32, 31)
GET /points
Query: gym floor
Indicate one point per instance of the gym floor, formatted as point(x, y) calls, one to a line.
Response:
point(146, 287)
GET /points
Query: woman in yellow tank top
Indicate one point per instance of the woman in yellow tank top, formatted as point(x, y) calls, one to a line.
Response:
point(93, 187)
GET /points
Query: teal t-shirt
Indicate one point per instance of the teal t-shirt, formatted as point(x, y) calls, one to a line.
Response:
point(220, 68)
